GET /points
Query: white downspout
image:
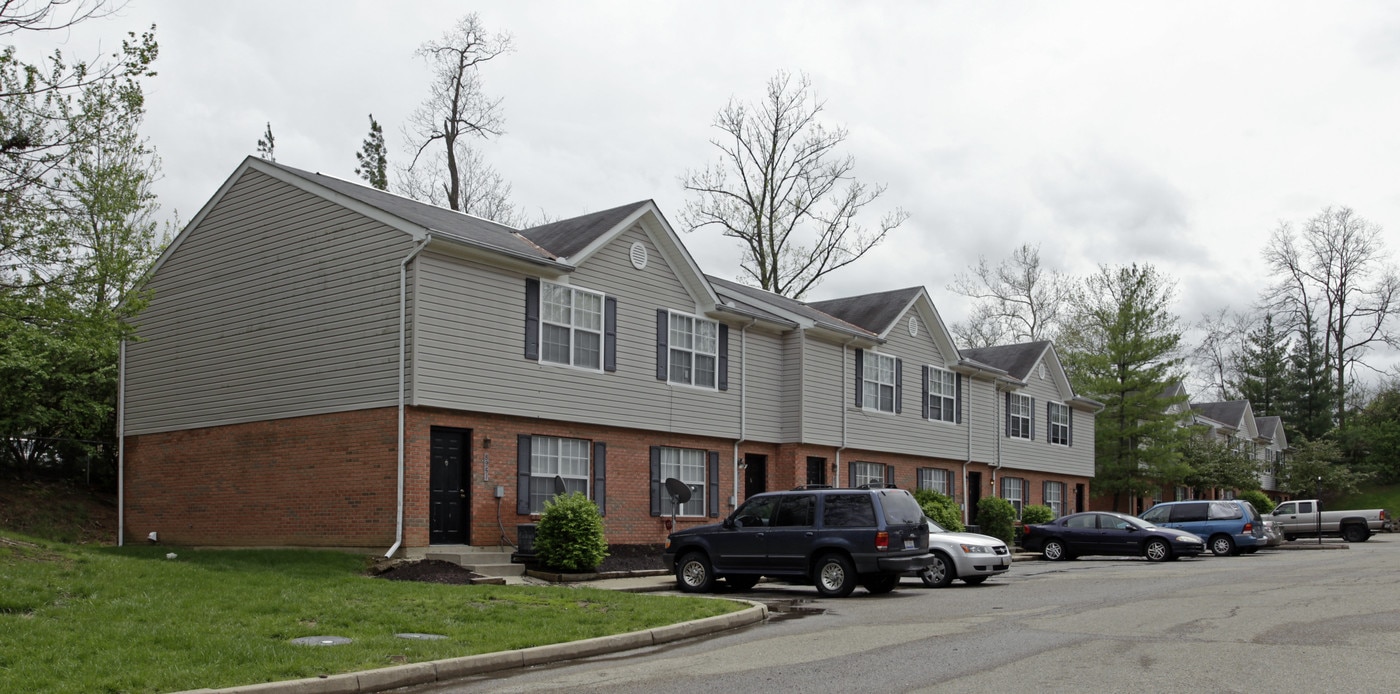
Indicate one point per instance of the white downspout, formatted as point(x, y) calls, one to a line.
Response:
point(121, 443)
point(403, 311)
point(845, 400)
point(743, 402)
point(968, 461)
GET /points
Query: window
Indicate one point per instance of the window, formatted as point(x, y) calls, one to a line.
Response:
point(694, 350)
point(1018, 416)
point(688, 466)
point(797, 511)
point(550, 456)
point(879, 382)
point(1058, 416)
point(848, 511)
point(942, 395)
point(867, 473)
point(1013, 489)
point(1055, 497)
point(571, 326)
point(1182, 494)
point(938, 480)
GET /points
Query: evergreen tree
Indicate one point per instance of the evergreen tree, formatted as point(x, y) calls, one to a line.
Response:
point(266, 144)
point(1262, 368)
point(373, 158)
point(1306, 395)
point(1121, 348)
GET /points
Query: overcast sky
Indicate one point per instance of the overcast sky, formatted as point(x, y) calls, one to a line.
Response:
point(1175, 134)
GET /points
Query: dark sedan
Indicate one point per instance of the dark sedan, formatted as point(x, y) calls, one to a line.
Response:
point(1103, 532)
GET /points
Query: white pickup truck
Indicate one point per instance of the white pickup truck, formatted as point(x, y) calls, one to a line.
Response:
point(1300, 519)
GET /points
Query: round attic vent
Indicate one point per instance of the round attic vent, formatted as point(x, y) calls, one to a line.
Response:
point(913, 326)
point(639, 255)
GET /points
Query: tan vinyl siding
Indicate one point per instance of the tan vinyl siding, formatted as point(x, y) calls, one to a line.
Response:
point(765, 383)
point(1039, 454)
point(471, 348)
point(823, 398)
point(793, 404)
point(278, 304)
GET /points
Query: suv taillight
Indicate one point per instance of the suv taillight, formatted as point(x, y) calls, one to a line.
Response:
point(1248, 528)
point(882, 541)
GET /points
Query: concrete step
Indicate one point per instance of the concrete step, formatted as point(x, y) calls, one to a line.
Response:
point(487, 561)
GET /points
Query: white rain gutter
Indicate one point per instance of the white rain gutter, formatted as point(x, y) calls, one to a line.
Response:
point(743, 402)
point(121, 443)
point(845, 400)
point(403, 311)
point(968, 461)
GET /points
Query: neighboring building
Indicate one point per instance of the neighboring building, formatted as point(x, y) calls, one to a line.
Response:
point(325, 364)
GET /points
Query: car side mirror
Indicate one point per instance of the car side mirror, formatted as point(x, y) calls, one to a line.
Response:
point(728, 523)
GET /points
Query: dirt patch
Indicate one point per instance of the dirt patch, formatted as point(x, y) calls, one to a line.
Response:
point(59, 511)
point(424, 571)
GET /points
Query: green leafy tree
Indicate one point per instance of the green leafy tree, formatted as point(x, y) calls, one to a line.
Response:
point(941, 508)
point(1261, 501)
point(997, 517)
point(1317, 463)
point(373, 158)
point(570, 534)
point(1371, 443)
point(1120, 347)
point(1261, 368)
point(1215, 465)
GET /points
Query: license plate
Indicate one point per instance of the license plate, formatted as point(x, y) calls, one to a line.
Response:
point(909, 543)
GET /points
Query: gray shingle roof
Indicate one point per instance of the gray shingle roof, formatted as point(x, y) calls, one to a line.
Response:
point(1230, 412)
point(1016, 360)
point(565, 238)
point(874, 312)
point(1268, 426)
point(760, 297)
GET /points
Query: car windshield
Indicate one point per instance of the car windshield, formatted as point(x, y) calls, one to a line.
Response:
point(934, 527)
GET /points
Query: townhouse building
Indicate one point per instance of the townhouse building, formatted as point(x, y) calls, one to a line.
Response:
point(325, 364)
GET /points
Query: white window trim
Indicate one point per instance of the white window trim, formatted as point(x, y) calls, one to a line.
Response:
point(865, 379)
point(538, 452)
point(672, 348)
point(1057, 505)
point(935, 475)
point(698, 487)
point(1023, 402)
point(861, 472)
point(1020, 497)
point(1051, 425)
point(951, 411)
point(574, 329)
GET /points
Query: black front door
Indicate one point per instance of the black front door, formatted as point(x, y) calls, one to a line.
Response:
point(816, 470)
point(974, 495)
point(449, 486)
point(755, 474)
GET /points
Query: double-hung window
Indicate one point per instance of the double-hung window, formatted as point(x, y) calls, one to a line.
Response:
point(571, 326)
point(1018, 417)
point(552, 456)
point(694, 350)
point(688, 466)
point(1055, 497)
point(879, 382)
point(1058, 414)
point(937, 480)
point(867, 473)
point(1013, 489)
point(942, 395)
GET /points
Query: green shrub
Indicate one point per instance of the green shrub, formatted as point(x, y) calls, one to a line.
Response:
point(997, 517)
point(1037, 514)
point(942, 509)
point(569, 536)
point(1261, 501)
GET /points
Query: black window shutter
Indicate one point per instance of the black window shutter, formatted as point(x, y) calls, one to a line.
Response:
point(712, 484)
point(1071, 428)
point(889, 475)
point(1044, 492)
point(952, 485)
point(898, 386)
point(860, 381)
point(926, 407)
point(600, 477)
point(663, 329)
point(610, 334)
point(1008, 414)
point(1032, 418)
point(1048, 430)
point(851, 474)
point(532, 319)
point(723, 375)
point(958, 416)
point(655, 480)
point(522, 474)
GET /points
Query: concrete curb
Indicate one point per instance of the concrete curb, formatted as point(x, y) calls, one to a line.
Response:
point(383, 679)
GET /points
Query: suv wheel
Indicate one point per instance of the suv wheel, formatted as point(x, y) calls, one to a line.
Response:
point(880, 584)
point(940, 573)
point(1222, 545)
point(836, 578)
point(694, 573)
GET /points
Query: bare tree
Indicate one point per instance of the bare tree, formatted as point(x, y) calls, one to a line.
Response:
point(49, 15)
point(1216, 357)
point(1015, 301)
point(481, 191)
point(782, 190)
point(1335, 273)
point(457, 108)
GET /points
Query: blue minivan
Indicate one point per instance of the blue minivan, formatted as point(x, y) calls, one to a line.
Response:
point(1229, 526)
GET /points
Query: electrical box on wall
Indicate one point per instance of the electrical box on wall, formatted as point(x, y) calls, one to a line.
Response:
point(500, 491)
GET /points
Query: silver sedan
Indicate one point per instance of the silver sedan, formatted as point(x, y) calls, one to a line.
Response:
point(969, 557)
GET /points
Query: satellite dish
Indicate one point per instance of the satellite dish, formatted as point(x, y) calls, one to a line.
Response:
point(679, 491)
point(559, 489)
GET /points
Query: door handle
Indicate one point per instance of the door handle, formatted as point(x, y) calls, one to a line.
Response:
point(461, 493)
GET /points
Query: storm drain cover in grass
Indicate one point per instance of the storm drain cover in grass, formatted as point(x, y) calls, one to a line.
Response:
point(421, 637)
point(321, 641)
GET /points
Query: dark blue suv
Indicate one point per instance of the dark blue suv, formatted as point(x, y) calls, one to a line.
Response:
point(832, 538)
point(1229, 526)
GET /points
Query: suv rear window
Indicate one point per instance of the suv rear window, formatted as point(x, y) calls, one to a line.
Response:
point(1225, 510)
point(900, 507)
point(848, 511)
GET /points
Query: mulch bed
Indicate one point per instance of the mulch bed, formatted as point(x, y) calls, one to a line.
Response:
point(621, 558)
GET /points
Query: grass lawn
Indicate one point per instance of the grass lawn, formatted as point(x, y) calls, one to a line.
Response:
point(108, 619)
point(1386, 497)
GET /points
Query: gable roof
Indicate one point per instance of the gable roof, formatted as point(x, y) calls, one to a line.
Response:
point(873, 312)
point(777, 304)
point(1016, 360)
point(1229, 413)
point(1268, 426)
point(567, 237)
